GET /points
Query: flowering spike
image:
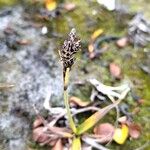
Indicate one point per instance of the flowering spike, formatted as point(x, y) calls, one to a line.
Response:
point(70, 47)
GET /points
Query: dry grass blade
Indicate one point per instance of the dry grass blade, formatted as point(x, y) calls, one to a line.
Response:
point(62, 132)
point(93, 143)
point(81, 110)
point(4, 86)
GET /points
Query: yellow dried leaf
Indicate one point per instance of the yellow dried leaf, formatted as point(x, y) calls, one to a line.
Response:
point(50, 4)
point(76, 144)
point(121, 134)
point(90, 48)
point(96, 34)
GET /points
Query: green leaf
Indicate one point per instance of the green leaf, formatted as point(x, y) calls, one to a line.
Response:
point(71, 121)
point(66, 100)
point(93, 119)
point(76, 143)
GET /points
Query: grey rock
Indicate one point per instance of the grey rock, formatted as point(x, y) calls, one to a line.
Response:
point(17, 144)
point(139, 30)
point(34, 69)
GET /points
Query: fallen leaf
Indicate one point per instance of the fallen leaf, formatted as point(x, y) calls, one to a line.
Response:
point(136, 110)
point(69, 6)
point(58, 145)
point(38, 121)
point(77, 101)
point(115, 70)
point(121, 134)
point(134, 130)
point(24, 42)
point(105, 132)
point(121, 43)
point(38, 135)
point(50, 4)
point(52, 142)
point(122, 120)
point(141, 101)
point(91, 48)
point(96, 33)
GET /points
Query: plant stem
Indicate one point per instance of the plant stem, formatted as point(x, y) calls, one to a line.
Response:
point(66, 100)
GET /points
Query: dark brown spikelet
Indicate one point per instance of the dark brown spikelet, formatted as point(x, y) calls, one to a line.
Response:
point(69, 48)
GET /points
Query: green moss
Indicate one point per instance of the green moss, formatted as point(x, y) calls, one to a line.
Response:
point(7, 2)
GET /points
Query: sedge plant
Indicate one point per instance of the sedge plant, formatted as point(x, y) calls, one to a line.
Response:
point(70, 47)
point(67, 54)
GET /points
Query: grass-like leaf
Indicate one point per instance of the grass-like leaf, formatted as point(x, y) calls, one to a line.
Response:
point(66, 100)
point(93, 119)
point(76, 143)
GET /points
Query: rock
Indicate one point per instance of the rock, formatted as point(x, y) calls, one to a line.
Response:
point(17, 144)
point(33, 68)
point(139, 30)
point(13, 127)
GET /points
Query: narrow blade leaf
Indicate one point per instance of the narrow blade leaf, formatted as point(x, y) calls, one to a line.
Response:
point(76, 144)
point(93, 119)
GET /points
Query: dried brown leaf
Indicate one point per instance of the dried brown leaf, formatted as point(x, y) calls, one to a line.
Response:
point(122, 42)
point(134, 130)
point(104, 132)
point(141, 101)
point(38, 122)
point(69, 6)
point(123, 119)
point(115, 70)
point(52, 142)
point(136, 110)
point(58, 145)
point(38, 135)
point(24, 42)
point(77, 101)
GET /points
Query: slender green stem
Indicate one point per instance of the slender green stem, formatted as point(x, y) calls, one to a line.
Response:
point(66, 100)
